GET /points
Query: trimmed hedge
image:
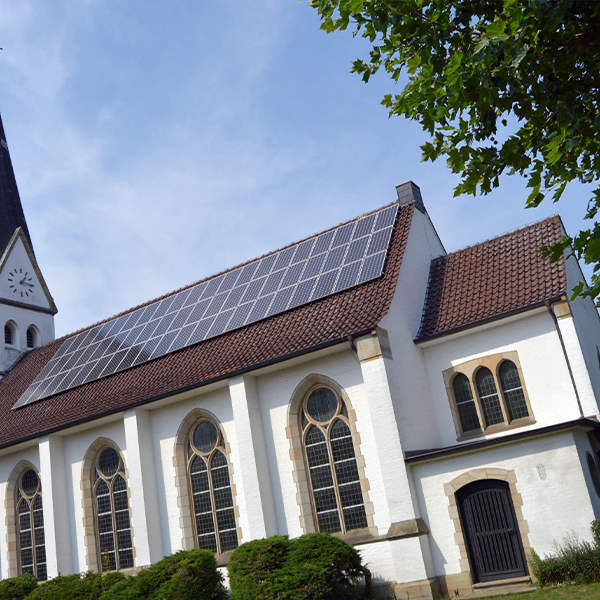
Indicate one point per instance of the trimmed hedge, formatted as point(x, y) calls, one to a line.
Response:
point(186, 575)
point(573, 562)
point(316, 566)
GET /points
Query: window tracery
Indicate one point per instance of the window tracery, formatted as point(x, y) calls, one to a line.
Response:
point(113, 521)
point(331, 462)
point(30, 526)
point(210, 491)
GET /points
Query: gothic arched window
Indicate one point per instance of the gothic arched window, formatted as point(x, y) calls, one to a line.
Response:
point(8, 335)
point(488, 396)
point(210, 489)
point(512, 390)
point(30, 525)
point(465, 403)
point(331, 460)
point(111, 503)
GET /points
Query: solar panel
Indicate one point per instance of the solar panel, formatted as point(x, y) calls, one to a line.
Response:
point(338, 259)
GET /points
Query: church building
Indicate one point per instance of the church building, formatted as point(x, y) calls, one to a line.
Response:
point(438, 411)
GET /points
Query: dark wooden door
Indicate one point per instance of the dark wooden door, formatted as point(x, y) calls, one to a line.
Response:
point(491, 531)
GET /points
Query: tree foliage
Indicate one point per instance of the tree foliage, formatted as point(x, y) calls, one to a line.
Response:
point(502, 86)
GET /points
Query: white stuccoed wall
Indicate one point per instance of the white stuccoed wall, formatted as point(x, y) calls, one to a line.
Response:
point(582, 333)
point(8, 461)
point(257, 519)
point(552, 506)
point(407, 373)
point(164, 425)
point(275, 392)
point(142, 479)
point(546, 377)
point(55, 502)
point(75, 448)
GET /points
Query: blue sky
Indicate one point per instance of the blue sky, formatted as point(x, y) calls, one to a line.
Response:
point(156, 143)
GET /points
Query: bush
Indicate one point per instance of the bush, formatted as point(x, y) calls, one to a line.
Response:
point(572, 562)
point(253, 567)
point(83, 586)
point(316, 566)
point(16, 588)
point(186, 575)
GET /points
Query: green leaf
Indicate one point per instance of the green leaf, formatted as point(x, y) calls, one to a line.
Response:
point(481, 44)
point(413, 64)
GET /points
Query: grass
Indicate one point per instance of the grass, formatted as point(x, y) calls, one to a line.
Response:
point(571, 592)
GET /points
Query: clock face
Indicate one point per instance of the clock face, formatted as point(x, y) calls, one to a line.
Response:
point(20, 283)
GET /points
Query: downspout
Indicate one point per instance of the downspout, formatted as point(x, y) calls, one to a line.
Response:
point(564, 349)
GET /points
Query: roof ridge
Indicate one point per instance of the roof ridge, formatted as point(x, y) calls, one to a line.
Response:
point(500, 235)
point(223, 272)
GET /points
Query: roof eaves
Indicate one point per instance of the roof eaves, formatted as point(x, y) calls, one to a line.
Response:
point(491, 319)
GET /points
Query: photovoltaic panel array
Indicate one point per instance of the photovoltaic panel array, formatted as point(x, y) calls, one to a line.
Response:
point(338, 259)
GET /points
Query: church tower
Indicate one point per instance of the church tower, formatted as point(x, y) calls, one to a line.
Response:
point(26, 307)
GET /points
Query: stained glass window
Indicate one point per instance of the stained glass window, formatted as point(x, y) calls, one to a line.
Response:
point(331, 460)
point(30, 524)
point(513, 390)
point(113, 522)
point(210, 489)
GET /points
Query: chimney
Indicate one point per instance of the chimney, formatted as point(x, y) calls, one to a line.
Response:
point(410, 192)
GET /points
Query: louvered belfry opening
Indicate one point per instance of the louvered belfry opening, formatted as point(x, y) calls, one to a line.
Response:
point(491, 531)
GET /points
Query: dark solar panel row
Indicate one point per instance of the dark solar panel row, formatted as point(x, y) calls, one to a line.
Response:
point(333, 261)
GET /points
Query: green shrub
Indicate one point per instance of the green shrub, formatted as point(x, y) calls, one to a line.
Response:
point(83, 586)
point(316, 566)
point(186, 575)
point(16, 588)
point(573, 561)
point(253, 566)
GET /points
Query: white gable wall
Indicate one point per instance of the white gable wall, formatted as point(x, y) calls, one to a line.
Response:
point(19, 260)
point(407, 373)
point(546, 377)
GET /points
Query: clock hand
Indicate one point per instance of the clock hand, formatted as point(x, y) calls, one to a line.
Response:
point(29, 284)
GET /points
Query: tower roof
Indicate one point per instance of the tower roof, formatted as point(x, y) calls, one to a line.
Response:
point(11, 211)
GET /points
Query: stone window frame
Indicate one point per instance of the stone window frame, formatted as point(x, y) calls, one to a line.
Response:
point(186, 516)
point(300, 468)
point(465, 580)
point(11, 514)
point(470, 368)
point(92, 554)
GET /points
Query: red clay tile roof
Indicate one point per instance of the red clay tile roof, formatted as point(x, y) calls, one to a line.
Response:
point(490, 279)
point(322, 322)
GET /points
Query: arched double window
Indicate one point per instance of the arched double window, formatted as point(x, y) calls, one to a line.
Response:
point(111, 505)
point(209, 485)
point(499, 397)
point(30, 525)
point(330, 457)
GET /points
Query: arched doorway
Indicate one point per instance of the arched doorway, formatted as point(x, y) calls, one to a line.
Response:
point(491, 531)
